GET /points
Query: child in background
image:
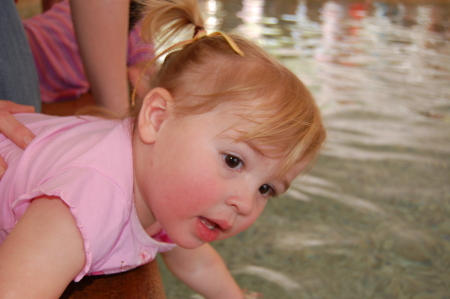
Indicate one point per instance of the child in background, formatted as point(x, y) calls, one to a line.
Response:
point(223, 128)
point(55, 50)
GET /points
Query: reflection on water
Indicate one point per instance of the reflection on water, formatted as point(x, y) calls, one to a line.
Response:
point(372, 219)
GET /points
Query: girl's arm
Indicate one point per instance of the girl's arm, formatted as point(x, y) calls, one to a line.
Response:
point(43, 252)
point(203, 270)
point(101, 28)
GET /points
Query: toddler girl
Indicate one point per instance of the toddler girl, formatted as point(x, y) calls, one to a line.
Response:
point(224, 128)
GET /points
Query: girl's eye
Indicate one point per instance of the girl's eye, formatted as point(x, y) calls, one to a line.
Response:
point(232, 161)
point(266, 190)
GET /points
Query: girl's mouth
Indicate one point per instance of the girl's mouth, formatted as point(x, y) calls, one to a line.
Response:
point(207, 230)
point(209, 224)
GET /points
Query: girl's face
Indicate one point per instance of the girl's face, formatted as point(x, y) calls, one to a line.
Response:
point(199, 184)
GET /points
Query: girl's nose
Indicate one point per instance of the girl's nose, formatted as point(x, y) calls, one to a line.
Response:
point(242, 202)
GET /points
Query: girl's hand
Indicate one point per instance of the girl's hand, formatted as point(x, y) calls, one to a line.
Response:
point(203, 270)
point(12, 128)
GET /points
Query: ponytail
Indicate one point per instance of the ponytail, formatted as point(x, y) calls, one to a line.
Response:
point(164, 18)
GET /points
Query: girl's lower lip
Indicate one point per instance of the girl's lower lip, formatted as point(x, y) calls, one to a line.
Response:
point(206, 234)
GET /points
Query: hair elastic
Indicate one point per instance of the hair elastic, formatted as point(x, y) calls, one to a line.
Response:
point(199, 32)
point(197, 29)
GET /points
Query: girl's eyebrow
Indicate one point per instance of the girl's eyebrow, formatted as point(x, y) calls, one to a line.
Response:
point(255, 148)
point(227, 135)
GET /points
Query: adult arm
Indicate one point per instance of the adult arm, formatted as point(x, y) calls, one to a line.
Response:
point(43, 252)
point(12, 128)
point(203, 270)
point(101, 28)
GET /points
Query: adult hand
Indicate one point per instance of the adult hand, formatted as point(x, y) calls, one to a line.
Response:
point(12, 128)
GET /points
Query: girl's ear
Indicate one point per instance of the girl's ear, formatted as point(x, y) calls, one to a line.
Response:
point(155, 109)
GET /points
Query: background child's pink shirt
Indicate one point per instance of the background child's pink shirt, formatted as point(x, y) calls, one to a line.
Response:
point(87, 162)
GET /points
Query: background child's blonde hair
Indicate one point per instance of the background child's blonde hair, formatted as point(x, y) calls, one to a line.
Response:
point(207, 73)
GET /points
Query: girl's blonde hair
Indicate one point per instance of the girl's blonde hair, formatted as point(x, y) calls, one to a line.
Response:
point(207, 73)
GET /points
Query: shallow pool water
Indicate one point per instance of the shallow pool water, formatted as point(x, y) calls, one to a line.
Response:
point(372, 218)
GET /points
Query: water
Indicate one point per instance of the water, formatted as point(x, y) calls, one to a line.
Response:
point(372, 219)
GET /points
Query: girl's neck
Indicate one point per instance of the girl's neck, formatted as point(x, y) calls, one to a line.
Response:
point(145, 216)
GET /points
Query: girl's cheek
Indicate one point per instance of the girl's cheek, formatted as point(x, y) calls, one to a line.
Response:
point(194, 190)
point(259, 210)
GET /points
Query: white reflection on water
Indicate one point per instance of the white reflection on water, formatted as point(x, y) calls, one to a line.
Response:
point(251, 15)
point(308, 186)
point(299, 241)
point(212, 15)
point(278, 278)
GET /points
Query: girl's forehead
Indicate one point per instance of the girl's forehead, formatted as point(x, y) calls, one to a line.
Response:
point(232, 117)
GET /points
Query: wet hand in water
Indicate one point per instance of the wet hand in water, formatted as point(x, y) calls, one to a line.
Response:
point(12, 128)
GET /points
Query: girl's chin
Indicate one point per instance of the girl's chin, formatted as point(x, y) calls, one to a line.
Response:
point(187, 243)
point(190, 245)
